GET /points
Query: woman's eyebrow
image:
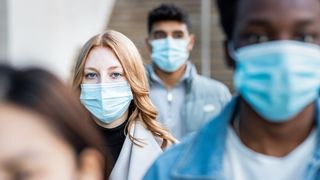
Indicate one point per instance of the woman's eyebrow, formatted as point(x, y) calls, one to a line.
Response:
point(91, 68)
point(12, 163)
point(114, 67)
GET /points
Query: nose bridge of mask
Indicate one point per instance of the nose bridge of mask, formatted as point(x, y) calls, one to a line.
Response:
point(169, 43)
point(285, 54)
point(282, 58)
point(105, 90)
point(179, 44)
point(119, 89)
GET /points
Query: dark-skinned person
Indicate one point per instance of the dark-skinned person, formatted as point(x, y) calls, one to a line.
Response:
point(271, 130)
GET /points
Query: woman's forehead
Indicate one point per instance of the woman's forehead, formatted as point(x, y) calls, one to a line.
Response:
point(102, 57)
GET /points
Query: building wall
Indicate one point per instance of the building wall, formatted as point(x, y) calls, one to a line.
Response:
point(50, 33)
point(3, 30)
point(130, 18)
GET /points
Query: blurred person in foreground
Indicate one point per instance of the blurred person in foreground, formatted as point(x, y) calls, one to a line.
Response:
point(271, 130)
point(185, 100)
point(43, 130)
point(110, 79)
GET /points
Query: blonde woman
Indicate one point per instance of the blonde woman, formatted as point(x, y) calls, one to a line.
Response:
point(110, 78)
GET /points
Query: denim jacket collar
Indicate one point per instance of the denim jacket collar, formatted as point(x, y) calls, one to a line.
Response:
point(314, 165)
point(203, 160)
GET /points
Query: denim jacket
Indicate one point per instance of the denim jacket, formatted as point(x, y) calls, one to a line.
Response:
point(201, 93)
point(200, 155)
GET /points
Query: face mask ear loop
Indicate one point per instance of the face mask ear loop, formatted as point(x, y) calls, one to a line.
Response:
point(232, 50)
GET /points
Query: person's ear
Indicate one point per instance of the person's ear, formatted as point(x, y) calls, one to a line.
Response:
point(149, 47)
point(228, 58)
point(91, 165)
point(191, 42)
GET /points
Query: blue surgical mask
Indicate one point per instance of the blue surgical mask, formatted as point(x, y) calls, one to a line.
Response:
point(278, 79)
point(169, 54)
point(107, 102)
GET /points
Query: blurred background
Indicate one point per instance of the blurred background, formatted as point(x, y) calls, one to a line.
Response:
point(49, 33)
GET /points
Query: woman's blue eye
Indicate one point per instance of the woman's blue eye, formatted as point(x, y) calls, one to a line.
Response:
point(116, 75)
point(90, 75)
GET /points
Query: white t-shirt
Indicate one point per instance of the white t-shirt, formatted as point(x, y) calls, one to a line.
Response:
point(242, 163)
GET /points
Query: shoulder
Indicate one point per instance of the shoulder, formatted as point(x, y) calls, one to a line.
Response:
point(194, 154)
point(149, 71)
point(210, 83)
point(146, 135)
point(140, 131)
point(207, 87)
point(162, 167)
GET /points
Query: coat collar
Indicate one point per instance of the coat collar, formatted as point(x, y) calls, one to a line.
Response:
point(134, 161)
point(315, 162)
point(209, 164)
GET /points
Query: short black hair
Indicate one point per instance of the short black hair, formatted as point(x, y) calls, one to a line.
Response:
point(227, 10)
point(166, 12)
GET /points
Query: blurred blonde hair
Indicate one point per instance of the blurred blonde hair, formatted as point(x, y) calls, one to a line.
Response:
point(134, 71)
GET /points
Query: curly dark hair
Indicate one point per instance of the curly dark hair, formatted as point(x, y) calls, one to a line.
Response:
point(166, 12)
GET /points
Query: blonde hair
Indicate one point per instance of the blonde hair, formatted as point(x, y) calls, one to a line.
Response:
point(131, 61)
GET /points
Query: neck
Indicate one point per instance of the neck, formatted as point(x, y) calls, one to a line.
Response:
point(265, 137)
point(172, 78)
point(115, 123)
